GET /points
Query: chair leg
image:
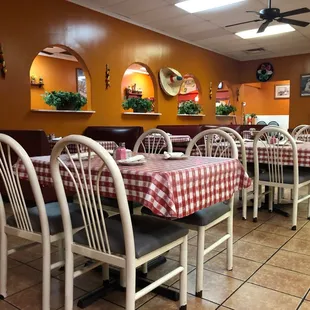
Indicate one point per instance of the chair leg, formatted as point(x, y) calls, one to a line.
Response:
point(199, 260)
point(309, 203)
point(271, 199)
point(122, 278)
point(3, 263)
point(131, 286)
point(183, 275)
point(69, 270)
point(255, 206)
point(244, 203)
point(46, 268)
point(105, 273)
point(144, 269)
point(295, 208)
point(230, 232)
point(260, 198)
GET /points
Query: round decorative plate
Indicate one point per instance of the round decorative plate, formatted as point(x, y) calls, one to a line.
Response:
point(264, 72)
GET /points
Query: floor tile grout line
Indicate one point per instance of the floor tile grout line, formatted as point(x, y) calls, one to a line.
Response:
point(303, 299)
point(11, 305)
point(222, 304)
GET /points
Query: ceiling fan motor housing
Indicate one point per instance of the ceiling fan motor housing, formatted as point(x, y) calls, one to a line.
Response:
point(269, 14)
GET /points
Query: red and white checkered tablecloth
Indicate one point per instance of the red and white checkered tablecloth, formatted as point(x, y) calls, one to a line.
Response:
point(108, 145)
point(153, 140)
point(170, 188)
point(303, 154)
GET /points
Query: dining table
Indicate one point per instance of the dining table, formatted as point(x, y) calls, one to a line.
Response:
point(109, 145)
point(169, 188)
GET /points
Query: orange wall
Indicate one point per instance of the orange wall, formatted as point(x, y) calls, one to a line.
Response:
point(142, 80)
point(58, 74)
point(285, 68)
point(99, 40)
point(261, 100)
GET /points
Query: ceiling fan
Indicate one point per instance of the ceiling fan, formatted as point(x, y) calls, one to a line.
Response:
point(270, 14)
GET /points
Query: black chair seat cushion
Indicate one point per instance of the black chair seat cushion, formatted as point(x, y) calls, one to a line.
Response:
point(288, 175)
point(205, 216)
point(150, 234)
point(54, 217)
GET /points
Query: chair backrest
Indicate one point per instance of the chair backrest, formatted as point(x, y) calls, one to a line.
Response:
point(272, 143)
point(88, 177)
point(9, 174)
point(303, 133)
point(261, 123)
point(213, 143)
point(153, 141)
point(237, 137)
point(296, 129)
point(273, 123)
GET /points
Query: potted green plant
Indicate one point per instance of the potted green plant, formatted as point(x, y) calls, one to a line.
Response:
point(189, 107)
point(225, 109)
point(63, 100)
point(138, 105)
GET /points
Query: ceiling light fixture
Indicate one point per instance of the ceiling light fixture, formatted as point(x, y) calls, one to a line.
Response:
point(193, 6)
point(270, 31)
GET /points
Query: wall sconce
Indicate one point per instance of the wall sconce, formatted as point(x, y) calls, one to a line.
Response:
point(107, 76)
point(210, 91)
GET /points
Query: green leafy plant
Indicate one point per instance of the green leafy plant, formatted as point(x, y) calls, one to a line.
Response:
point(63, 100)
point(138, 105)
point(189, 107)
point(253, 115)
point(225, 109)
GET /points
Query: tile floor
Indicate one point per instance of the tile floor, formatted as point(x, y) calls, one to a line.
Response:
point(271, 271)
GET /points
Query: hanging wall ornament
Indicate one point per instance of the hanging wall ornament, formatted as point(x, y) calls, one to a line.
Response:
point(107, 76)
point(170, 81)
point(3, 69)
point(210, 91)
point(264, 72)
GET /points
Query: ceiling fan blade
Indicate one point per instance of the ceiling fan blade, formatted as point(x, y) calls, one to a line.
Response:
point(295, 12)
point(250, 21)
point(263, 26)
point(293, 22)
point(257, 13)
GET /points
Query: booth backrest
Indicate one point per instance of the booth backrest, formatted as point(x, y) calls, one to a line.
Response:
point(129, 135)
point(36, 144)
point(238, 128)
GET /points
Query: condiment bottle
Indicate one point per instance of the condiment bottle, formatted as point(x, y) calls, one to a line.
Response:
point(120, 153)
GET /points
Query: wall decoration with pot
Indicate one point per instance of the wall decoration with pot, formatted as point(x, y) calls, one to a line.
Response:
point(264, 72)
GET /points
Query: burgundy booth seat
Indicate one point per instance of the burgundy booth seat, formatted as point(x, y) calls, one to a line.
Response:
point(36, 144)
point(129, 134)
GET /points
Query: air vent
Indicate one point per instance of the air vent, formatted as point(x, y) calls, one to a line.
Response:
point(255, 50)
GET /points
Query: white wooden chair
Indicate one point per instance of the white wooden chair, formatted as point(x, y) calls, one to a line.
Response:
point(126, 241)
point(296, 129)
point(241, 147)
point(40, 224)
point(216, 143)
point(153, 141)
point(303, 134)
point(278, 175)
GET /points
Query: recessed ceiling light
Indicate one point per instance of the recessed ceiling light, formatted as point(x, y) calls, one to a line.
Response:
point(193, 6)
point(270, 31)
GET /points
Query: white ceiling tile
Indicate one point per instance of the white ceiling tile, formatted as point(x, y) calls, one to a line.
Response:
point(134, 7)
point(161, 13)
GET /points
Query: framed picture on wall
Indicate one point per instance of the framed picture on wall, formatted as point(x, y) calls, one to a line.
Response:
point(282, 91)
point(81, 82)
point(305, 85)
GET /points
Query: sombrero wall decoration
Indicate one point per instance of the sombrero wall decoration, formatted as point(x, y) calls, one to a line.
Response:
point(170, 81)
point(264, 72)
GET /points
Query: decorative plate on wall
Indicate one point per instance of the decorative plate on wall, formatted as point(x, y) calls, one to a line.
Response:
point(264, 72)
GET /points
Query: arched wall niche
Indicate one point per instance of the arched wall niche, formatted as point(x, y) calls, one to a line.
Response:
point(139, 82)
point(58, 68)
